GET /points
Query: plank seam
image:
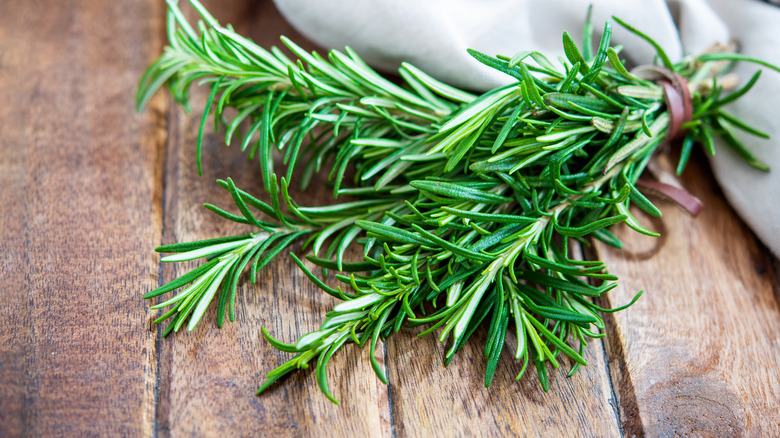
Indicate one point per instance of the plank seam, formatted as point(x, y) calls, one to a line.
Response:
point(615, 401)
point(393, 431)
point(590, 254)
point(160, 278)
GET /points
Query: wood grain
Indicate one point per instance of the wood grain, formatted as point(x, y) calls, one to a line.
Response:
point(88, 187)
point(431, 400)
point(209, 377)
point(80, 200)
point(698, 353)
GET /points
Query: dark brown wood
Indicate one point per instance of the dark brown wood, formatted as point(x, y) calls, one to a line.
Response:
point(80, 193)
point(88, 187)
point(697, 354)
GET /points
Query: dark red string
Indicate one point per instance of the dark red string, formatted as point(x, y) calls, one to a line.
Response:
point(676, 95)
point(680, 108)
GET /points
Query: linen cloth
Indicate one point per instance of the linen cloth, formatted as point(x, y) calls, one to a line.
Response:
point(434, 35)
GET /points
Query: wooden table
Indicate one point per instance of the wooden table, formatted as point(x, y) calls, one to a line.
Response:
point(89, 187)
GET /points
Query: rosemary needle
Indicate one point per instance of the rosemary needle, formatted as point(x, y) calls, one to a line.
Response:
point(464, 205)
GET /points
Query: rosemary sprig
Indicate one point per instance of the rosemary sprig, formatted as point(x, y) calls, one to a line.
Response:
point(464, 205)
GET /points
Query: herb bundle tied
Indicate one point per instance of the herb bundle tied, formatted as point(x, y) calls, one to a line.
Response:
point(464, 205)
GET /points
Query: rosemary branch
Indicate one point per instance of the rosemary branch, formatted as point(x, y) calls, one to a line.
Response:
point(464, 204)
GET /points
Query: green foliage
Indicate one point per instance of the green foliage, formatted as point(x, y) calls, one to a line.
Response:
point(463, 205)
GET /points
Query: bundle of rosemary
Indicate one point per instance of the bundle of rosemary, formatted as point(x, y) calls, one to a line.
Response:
point(464, 205)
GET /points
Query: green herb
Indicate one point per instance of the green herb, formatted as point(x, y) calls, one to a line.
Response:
point(464, 205)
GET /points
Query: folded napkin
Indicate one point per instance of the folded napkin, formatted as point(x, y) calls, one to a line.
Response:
point(434, 35)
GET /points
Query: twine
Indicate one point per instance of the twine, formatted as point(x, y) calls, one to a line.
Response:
point(676, 95)
point(680, 108)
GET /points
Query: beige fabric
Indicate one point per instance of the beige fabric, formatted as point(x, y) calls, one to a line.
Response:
point(434, 35)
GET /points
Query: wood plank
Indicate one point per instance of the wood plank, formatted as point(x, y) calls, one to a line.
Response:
point(698, 353)
point(431, 400)
point(80, 182)
point(209, 377)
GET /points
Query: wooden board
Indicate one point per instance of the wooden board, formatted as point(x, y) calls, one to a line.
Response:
point(88, 188)
point(81, 190)
point(193, 375)
point(698, 353)
point(209, 377)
